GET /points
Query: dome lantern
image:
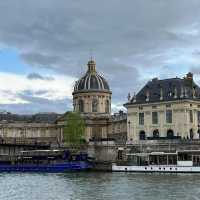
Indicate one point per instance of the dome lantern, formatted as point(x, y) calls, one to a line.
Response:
point(91, 66)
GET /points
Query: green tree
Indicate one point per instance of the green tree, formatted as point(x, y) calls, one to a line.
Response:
point(74, 129)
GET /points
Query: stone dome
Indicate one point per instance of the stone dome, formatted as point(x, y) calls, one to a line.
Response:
point(91, 81)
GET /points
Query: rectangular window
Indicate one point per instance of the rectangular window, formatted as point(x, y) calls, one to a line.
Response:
point(191, 116)
point(169, 116)
point(113, 128)
point(198, 117)
point(96, 133)
point(140, 108)
point(141, 118)
point(154, 117)
point(118, 128)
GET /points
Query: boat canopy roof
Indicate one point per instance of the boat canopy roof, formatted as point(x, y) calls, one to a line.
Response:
point(162, 153)
point(188, 151)
point(148, 154)
point(45, 150)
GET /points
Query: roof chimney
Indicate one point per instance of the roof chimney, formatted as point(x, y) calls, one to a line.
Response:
point(147, 94)
point(189, 76)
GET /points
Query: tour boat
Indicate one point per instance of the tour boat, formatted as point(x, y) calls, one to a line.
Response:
point(187, 161)
point(51, 161)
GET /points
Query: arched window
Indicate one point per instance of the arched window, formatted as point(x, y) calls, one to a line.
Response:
point(142, 135)
point(156, 133)
point(81, 105)
point(94, 105)
point(170, 134)
point(107, 106)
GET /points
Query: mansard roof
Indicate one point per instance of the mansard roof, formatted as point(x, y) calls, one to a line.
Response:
point(167, 90)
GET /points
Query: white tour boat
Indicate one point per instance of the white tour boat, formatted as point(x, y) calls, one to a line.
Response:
point(187, 161)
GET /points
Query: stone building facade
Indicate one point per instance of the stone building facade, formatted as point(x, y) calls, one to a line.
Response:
point(40, 127)
point(91, 98)
point(118, 130)
point(165, 109)
point(28, 132)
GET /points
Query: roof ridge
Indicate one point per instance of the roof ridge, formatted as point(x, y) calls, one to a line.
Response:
point(176, 78)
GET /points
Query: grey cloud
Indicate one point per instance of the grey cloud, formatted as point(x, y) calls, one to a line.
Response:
point(126, 37)
point(122, 80)
point(38, 59)
point(37, 105)
point(28, 93)
point(35, 76)
point(195, 70)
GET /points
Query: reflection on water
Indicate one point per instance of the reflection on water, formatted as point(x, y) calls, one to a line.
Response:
point(96, 186)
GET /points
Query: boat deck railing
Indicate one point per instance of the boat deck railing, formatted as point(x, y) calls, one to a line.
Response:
point(27, 141)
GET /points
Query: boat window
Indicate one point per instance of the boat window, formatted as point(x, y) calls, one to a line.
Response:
point(172, 159)
point(196, 160)
point(120, 155)
point(184, 157)
point(162, 160)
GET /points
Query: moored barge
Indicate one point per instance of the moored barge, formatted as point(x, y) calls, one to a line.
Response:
point(51, 161)
point(187, 161)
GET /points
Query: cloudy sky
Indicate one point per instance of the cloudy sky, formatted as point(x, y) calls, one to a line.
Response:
point(45, 46)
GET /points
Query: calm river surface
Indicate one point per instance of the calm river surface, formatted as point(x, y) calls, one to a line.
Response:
point(96, 186)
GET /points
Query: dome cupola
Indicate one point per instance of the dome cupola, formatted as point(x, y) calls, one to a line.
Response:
point(91, 81)
point(92, 99)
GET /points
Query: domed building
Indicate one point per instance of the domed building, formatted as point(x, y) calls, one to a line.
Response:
point(92, 98)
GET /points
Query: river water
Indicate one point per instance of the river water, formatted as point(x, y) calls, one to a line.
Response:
point(96, 186)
